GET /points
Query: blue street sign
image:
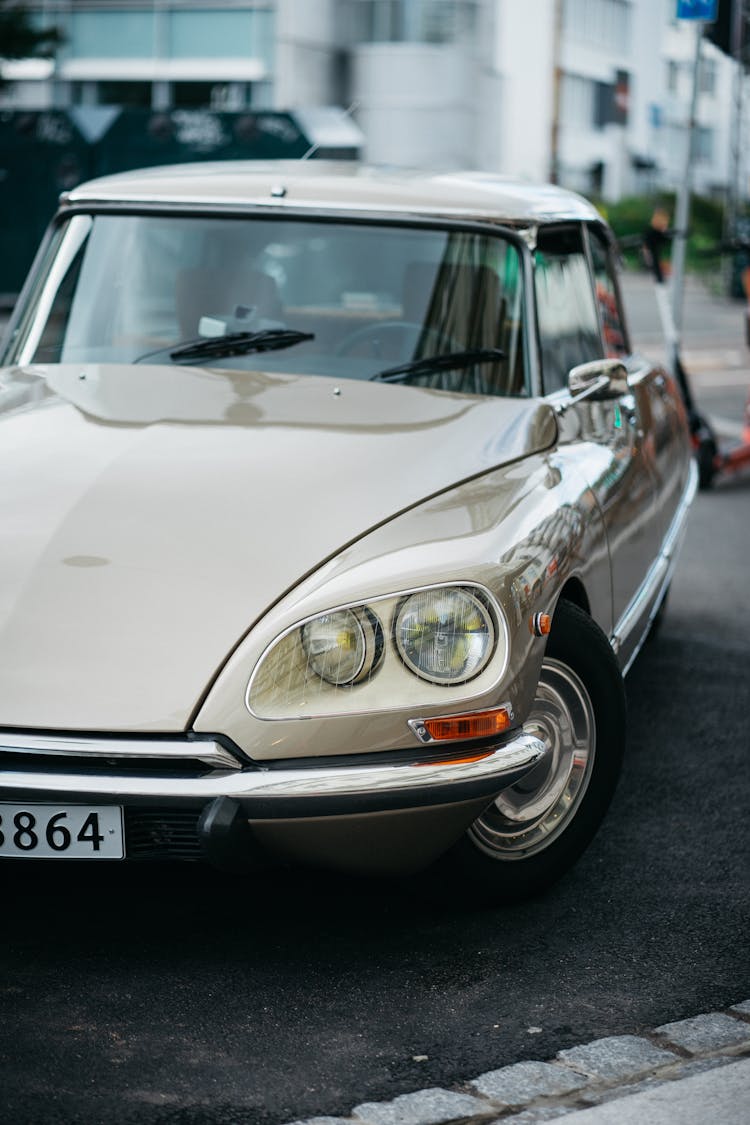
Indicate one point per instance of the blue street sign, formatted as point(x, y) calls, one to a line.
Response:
point(697, 10)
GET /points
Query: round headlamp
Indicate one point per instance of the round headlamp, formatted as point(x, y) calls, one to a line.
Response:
point(343, 647)
point(445, 635)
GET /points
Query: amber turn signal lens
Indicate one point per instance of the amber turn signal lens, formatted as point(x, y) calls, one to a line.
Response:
point(478, 724)
point(540, 624)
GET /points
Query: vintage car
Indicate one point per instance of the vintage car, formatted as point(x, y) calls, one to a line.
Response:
point(335, 507)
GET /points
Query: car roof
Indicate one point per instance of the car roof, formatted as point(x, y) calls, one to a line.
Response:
point(323, 185)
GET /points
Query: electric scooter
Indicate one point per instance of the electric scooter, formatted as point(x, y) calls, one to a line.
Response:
point(710, 459)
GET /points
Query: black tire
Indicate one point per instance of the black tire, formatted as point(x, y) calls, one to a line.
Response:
point(537, 829)
point(705, 449)
point(705, 457)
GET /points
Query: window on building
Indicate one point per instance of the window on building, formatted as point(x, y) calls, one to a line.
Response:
point(674, 138)
point(418, 21)
point(567, 315)
point(196, 95)
point(673, 76)
point(708, 76)
point(133, 94)
point(577, 102)
point(703, 145)
point(599, 23)
point(675, 141)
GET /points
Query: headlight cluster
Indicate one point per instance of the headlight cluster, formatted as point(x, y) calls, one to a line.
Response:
point(442, 636)
point(345, 646)
point(446, 636)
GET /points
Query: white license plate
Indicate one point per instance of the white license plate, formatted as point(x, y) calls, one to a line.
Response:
point(61, 831)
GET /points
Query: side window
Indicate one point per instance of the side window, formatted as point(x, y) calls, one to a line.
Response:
point(610, 313)
point(566, 310)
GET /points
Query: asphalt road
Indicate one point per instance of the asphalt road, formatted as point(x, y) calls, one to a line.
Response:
point(179, 996)
point(176, 996)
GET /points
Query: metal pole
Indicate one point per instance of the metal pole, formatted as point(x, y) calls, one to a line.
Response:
point(682, 217)
point(735, 141)
point(554, 172)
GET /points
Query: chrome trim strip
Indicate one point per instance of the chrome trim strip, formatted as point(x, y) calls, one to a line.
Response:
point(173, 751)
point(671, 541)
point(518, 755)
point(570, 399)
point(656, 580)
point(658, 577)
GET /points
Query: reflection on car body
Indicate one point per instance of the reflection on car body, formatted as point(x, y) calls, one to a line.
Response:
point(333, 518)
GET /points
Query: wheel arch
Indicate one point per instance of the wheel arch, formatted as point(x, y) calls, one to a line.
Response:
point(574, 591)
point(535, 831)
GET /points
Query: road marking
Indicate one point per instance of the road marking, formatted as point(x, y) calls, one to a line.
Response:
point(718, 379)
point(726, 426)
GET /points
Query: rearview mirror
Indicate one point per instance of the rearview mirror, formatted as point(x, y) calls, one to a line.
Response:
point(600, 379)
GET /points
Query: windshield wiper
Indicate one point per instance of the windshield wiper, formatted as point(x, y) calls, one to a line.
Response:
point(234, 343)
point(447, 361)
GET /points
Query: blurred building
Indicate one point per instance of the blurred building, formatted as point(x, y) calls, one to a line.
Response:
point(154, 54)
point(593, 93)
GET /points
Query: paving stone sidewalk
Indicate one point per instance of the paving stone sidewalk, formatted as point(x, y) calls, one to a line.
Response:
point(579, 1078)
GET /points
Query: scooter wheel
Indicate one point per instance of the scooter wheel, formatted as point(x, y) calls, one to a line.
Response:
point(705, 457)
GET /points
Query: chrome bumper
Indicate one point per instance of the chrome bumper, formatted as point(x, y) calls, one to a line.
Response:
point(260, 791)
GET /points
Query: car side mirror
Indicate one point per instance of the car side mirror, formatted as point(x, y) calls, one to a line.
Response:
point(598, 380)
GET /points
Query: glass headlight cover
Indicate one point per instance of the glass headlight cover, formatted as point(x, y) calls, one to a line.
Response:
point(374, 658)
point(445, 635)
point(343, 647)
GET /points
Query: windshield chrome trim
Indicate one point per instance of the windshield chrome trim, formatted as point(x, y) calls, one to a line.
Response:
point(323, 213)
point(71, 241)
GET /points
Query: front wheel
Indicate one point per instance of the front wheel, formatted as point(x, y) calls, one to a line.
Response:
point(535, 830)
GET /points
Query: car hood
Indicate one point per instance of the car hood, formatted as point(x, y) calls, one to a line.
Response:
point(150, 514)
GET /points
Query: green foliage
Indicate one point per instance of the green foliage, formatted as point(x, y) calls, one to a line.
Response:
point(630, 217)
point(20, 38)
point(707, 217)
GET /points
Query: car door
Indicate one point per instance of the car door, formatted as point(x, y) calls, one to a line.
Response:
point(604, 439)
point(655, 396)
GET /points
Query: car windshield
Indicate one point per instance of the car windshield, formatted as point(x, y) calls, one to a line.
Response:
point(344, 299)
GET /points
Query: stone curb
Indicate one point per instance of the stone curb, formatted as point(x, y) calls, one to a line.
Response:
point(578, 1078)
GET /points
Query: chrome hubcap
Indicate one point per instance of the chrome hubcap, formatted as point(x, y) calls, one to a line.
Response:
point(528, 816)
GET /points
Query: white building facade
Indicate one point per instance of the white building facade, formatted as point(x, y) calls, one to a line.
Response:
point(593, 93)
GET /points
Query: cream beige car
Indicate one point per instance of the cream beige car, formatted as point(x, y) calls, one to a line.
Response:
point(336, 506)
